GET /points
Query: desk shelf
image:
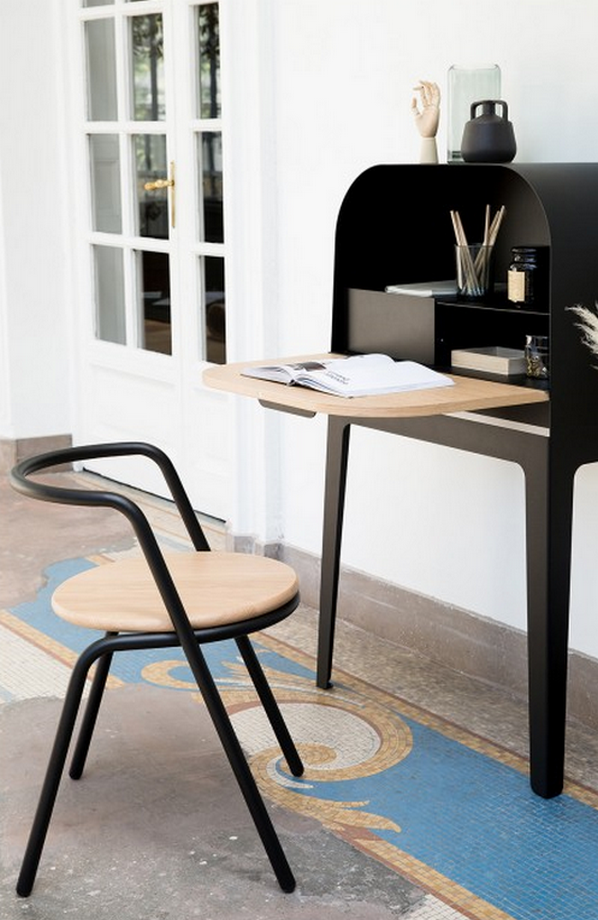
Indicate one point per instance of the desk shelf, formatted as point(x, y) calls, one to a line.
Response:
point(427, 330)
point(463, 325)
point(553, 205)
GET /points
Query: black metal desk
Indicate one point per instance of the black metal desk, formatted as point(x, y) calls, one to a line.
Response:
point(383, 237)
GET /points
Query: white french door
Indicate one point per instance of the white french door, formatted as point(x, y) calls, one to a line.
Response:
point(151, 240)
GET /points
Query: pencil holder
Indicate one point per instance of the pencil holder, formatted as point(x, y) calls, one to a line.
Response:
point(474, 270)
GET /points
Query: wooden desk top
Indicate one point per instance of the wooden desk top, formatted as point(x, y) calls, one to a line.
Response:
point(468, 394)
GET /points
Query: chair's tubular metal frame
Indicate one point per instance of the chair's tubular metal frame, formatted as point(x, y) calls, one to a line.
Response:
point(184, 636)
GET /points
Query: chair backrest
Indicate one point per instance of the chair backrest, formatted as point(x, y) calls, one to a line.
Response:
point(20, 480)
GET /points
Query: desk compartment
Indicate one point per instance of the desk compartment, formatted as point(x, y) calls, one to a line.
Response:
point(427, 330)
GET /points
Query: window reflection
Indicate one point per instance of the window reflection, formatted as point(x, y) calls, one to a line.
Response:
point(154, 281)
point(150, 163)
point(210, 171)
point(147, 39)
point(215, 301)
point(104, 157)
point(209, 61)
point(101, 70)
point(110, 294)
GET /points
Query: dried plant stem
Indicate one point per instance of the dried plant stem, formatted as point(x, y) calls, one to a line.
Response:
point(588, 325)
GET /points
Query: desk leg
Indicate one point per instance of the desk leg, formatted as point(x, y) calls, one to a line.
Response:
point(549, 500)
point(334, 505)
point(549, 473)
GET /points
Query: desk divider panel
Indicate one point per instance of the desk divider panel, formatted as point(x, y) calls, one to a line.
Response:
point(399, 326)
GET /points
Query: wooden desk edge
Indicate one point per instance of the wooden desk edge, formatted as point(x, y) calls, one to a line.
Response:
point(468, 394)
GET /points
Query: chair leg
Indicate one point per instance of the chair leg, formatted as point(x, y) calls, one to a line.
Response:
point(240, 767)
point(91, 713)
point(270, 705)
point(54, 772)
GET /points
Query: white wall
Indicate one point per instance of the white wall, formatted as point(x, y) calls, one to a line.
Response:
point(338, 89)
point(4, 353)
point(33, 193)
point(441, 523)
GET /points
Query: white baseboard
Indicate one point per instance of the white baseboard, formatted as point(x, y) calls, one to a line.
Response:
point(456, 638)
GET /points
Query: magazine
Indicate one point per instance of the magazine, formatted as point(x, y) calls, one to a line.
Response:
point(358, 375)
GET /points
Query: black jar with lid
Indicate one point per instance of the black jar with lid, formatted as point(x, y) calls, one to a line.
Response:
point(527, 277)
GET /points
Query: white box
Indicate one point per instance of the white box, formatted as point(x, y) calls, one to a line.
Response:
point(494, 359)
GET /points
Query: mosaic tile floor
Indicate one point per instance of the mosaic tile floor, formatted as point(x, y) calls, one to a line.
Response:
point(435, 802)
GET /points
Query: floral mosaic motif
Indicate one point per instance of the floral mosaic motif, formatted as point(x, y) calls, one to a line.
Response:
point(339, 735)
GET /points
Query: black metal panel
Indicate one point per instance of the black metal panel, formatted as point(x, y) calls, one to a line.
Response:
point(402, 327)
point(394, 227)
point(569, 194)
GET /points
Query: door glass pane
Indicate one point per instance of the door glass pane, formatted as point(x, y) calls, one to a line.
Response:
point(210, 172)
point(110, 294)
point(214, 299)
point(147, 44)
point(97, 2)
point(209, 60)
point(152, 204)
point(154, 284)
point(105, 182)
point(101, 70)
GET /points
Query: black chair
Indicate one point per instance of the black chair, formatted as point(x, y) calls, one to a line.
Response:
point(160, 600)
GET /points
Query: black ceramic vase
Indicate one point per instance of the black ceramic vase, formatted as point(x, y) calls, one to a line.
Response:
point(488, 137)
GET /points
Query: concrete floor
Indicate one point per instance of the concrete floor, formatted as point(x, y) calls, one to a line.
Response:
point(157, 828)
point(163, 831)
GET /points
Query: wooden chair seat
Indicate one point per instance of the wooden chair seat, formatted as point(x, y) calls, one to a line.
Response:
point(215, 588)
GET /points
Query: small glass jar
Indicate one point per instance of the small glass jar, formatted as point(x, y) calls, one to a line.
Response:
point(537, 357)
point(526, 277)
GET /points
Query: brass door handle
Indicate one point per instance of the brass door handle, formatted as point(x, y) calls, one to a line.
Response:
point(164, 183)
point(159, 183)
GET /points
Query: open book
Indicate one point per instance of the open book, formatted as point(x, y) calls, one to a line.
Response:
point(359, 375)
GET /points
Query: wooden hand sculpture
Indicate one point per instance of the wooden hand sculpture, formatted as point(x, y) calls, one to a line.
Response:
point(427, 118)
